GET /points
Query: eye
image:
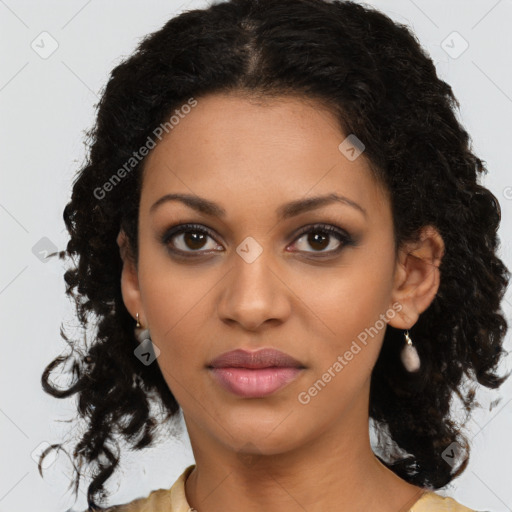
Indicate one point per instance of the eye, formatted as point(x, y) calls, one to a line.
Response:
point(189, 238)
point(319, 237)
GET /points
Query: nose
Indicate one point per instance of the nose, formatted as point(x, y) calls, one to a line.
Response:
point(254, 294)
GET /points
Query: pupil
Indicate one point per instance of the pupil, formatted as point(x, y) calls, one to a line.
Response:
point(314, 239)
point(195, 239)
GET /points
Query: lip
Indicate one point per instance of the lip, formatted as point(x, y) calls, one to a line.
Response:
point(254, 383)
point(254, 374)
point(263, 358)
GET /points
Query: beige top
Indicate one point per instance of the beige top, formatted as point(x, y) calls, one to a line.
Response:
point(175, 500)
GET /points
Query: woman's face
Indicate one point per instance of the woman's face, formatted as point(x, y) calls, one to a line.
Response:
point(252, 280)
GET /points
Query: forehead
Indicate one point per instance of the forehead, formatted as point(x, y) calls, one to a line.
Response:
point(282, 148)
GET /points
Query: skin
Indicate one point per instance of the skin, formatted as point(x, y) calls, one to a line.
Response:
point(274, 453)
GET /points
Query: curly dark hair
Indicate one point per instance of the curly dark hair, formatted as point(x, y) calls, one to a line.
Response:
point(373, 74)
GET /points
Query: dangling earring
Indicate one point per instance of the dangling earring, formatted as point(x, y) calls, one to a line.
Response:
point(140, 333)
point(409, 355)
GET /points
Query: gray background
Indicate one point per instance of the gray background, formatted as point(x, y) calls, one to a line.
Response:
point(45, 106)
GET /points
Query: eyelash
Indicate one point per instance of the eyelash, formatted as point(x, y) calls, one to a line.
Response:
point(341, 235)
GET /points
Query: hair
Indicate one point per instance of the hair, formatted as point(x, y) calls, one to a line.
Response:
point(372, 73)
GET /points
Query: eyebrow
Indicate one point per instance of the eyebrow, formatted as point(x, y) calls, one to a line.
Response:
point(285, 211)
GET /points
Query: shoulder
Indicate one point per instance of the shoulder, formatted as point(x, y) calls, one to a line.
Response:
point(160, 500)
point(433, 502)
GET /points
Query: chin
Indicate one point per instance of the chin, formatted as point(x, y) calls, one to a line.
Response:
point(263, 438)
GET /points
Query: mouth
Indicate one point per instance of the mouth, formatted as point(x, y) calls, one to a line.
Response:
point(254, 374)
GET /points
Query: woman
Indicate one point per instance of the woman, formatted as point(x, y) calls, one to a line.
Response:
point(281, 232)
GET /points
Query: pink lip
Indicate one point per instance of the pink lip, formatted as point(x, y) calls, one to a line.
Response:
point(254, 374)
point(254, 383)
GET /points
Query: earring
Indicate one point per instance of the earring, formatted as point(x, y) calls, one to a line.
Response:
point(141, 333)
point(409, 355)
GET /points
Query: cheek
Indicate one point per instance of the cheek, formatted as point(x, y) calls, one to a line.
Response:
point(344, 301)
point(347, 330)
point(177, 317)
point(178, 311)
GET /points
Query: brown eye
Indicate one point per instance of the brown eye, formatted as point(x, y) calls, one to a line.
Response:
point(320, 237)
point(189, 238)
point(319, 241)
point(194, 239)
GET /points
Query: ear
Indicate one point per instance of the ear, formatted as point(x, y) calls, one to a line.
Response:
point(417, 277)
point(129, 280)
